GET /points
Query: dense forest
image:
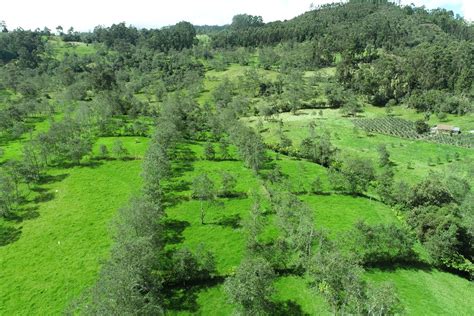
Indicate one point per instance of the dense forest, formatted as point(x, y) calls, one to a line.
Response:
point(254, 143)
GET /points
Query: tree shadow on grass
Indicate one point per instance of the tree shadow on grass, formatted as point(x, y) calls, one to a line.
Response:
point(22, 213)
point(9, 234)
point(181, 167)
point(184, 298)
point(47, 179)
point(405, 265)
point(174, 230)
point(183, 161)
point(178, 186)
point(232, 221)
point(44, 197)
point(173, 199)
point(27, 213)
point(233, 195)
point(285, 308)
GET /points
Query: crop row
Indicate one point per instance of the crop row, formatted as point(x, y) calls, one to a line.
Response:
point(398, 127)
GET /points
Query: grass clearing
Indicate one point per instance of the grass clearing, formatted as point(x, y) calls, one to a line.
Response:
point(429, 292)
point(404, 152)
point(60, 48)
point(59, 253)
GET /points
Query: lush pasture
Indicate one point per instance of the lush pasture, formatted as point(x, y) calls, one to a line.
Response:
point(405, 153)
point(59, 252)
point(67, 235)
point(429, 292)
point(233, 73)
point(65, 227)
point(60, 48)
point(223, 235)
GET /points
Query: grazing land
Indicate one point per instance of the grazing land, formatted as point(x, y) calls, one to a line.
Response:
point(304, 167)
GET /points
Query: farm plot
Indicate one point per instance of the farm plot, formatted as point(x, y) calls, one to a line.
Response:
point(399, 127)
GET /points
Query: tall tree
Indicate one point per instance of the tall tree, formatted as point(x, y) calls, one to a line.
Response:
point(251, 288)
point(204, 191)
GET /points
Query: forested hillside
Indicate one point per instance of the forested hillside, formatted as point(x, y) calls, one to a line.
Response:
point(320, 165)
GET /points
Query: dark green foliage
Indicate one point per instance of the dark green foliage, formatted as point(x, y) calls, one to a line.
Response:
point(118, 150)
point(317, 186)
point(339, 279)
point(431, 191)
point(209, 151)
point(436, 216)
point(128, 282)
point(177, 37)
point(228, 184)
point(380, 244)
point(25, 46)
point(384, 156)
point(31, 163)
point(103, 151)
point(223, 93)
point(336, 95)
point(295, 222)
point(156, 168)
point(385, 185)
point(318, 149)
point(438, 228)
point(7, 194)
point(351, 107)
point(358, 174)
point(188, 266)
point(422, 127)
point(244, 21)
point(254, 226)
point(382, 300)
point(224, 149)
point(250, 145)
point(68, 140)
point(268, 57)
point(251, 288)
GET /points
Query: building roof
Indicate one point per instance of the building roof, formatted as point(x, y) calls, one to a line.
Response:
point(442, 127)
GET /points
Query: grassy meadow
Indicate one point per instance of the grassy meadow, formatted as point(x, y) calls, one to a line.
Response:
point(222, 234)
point(65, 231)
point(411, 157)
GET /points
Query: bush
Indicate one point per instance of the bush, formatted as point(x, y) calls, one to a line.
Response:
point(119, 151)
point(380, 244)
point(188, 266)
point(422, 127)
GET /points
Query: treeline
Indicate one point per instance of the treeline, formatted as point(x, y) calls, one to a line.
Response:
point(389, 53)
point(437, 209)
point(28, 47)
point(431, 77)
point(24, 46)
point(141, 274)
point(351, 25)
point(122, 37)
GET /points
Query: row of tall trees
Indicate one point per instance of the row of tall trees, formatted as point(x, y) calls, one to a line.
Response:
point(352, 24)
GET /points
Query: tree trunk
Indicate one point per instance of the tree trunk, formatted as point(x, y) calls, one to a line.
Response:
point(202, 213)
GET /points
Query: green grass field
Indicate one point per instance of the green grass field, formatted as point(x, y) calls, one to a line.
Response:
point(233, 73)
point(61, 247)
point(223, 235)
point(60, 48)
point(402, 151)
point(65, 233)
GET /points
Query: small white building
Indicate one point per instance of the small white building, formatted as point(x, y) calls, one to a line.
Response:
point(446, 129)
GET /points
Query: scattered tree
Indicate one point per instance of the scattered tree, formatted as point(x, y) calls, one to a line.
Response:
point(203, 190)
point(251, 288)
point(119, 150)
